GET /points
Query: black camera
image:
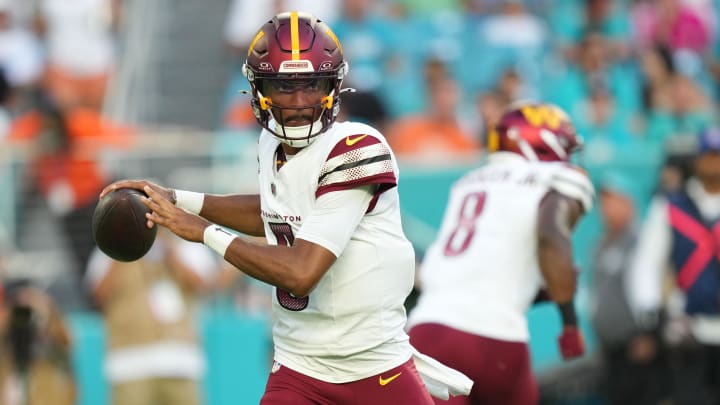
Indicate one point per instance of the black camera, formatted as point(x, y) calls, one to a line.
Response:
point(22, 331)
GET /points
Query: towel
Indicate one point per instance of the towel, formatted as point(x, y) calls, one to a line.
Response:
point(441, 381)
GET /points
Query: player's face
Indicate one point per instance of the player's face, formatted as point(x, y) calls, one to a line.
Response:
point(617, 211)
point(296, 102)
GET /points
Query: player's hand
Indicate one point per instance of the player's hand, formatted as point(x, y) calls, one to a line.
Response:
point(182, 223)
point(571, 342)
point(138, 185)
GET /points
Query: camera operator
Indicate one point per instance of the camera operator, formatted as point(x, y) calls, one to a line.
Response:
point(35, 343)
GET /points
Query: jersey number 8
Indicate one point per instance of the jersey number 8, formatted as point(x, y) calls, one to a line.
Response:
point(460, 237)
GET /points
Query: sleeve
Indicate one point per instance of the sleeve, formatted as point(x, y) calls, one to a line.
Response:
point(573, 182)
point(645, 275)
point(357, 160)
point(332, 222)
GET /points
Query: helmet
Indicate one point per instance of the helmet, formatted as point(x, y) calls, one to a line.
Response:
point(537, 131)
point(295, 47)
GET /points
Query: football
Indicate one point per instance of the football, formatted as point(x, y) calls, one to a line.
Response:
point(119, 225)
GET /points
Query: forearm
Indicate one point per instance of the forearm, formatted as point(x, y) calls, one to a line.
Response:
point(557, 219)
point(296, 269)
point(556, 265)
point(238, 212)
point(270, 264)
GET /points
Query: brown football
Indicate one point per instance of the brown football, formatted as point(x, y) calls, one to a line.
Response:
point(119, 225)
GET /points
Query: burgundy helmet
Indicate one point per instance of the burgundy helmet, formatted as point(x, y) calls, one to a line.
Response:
point(537, 131)
point(295, 48)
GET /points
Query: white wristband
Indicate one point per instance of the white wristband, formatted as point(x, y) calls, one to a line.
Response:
point(189, 200)
point(217, 239)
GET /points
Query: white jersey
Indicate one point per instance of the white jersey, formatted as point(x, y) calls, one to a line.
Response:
point(481, 273)
point(351, 326)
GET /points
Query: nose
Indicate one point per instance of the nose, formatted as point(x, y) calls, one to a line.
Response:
point(299, 98)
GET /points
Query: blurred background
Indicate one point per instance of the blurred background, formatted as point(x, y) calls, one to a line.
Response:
point(97, 90)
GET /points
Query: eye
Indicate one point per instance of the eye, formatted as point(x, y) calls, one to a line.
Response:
point(313, 85)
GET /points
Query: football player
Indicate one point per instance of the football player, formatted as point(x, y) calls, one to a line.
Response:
point(328, 207)
point(504, 239)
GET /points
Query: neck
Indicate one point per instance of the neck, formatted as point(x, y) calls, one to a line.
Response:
point(289, 150)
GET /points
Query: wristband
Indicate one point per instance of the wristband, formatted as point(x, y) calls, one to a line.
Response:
point(189, 200)
point(567, 313)
point(217, 239)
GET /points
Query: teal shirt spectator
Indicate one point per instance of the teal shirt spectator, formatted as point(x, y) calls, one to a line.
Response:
point(568, 22)
point(483, 62)
point(419, 38)
point(369, 45)
point(615, 130)
point(663, 125)
point(569, 86)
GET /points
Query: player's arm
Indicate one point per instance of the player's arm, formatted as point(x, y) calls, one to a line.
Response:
point(297, 268)
point(235, 211)
point(557, 218)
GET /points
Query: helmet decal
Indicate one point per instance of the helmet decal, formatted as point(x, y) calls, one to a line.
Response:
point(537, 131)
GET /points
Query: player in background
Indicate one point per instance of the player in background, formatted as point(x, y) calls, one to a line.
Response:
point(329, 209)
point(505, 238)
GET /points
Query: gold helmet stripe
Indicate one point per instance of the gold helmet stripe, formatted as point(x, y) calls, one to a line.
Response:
point(334, 38)
point(294, 36)
point(259, 35)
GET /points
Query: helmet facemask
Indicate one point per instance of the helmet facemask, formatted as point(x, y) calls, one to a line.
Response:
point(278, 119)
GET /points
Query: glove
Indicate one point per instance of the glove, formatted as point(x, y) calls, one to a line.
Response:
point(571, 342)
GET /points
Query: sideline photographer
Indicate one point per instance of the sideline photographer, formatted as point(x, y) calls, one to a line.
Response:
point(35, 344)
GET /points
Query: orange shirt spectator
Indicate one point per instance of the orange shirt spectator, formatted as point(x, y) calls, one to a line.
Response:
point(435, 134)
point(70, 161)
point(63, 151)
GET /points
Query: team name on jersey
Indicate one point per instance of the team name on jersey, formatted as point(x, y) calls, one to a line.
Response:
point(284, 218)
point(499, 176)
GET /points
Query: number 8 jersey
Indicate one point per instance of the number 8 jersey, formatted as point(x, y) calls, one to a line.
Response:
point(481, 273)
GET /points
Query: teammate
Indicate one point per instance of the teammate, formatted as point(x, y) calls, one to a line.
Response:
point(506, 233)
point(329, 209)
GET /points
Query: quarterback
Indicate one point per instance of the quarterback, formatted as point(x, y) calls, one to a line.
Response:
point(329, 209)
point(505, 237)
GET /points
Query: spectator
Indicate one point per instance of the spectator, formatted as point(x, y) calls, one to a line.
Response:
point(436, 135)
point(634, 369)
point(35, 366)
point(21, 55)
point(63, 149)
point(673, 23)
point(490, 107)
point(153, 353)
point(593, 66)
point(79, 37)
point(679, 231)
